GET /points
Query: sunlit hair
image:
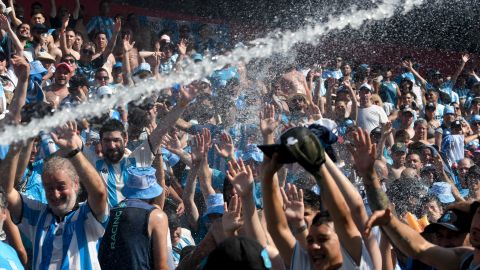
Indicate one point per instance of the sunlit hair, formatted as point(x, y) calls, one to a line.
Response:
point(375, 98)
point(57, 163)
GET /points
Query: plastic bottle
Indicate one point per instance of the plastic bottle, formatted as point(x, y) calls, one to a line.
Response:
point(47, 145)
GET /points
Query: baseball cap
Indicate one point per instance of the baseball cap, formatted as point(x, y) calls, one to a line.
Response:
point(104, 91)
point(443, 191)
point(454, 220)
point(475, 118)
point(298, 144)
point(430, 106)
point(407, 109)
point(449, 110)
point(399, 147)
point(64, 65)
point(197, 57)
point(367, 86)
point(143, 67)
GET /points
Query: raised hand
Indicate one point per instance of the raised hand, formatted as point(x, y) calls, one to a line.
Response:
point(241, 178)
point(293, 203)
point(271, 165)
point(465, 57)
point(314, 112)
point(378, 218)
point(172, 143)
point(387, 128)
point(407, 64)
point(364, 152)
point(187, 94)
point(182, 47)
point(65, 21)
point(127, 46)
point(118, 25)
point(198, 149)
point(20, 67)
point(4, 24)
point(268, 123)
point(232, 216)
point(226, 148)
point(66, 137)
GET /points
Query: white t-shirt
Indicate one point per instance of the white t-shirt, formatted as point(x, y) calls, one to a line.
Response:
point(301, 260)
point(371, 117)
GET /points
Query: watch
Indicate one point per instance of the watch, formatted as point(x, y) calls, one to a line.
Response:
point(73, 153)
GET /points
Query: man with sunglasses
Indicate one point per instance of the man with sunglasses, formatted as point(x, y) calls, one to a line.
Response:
point(86, 65)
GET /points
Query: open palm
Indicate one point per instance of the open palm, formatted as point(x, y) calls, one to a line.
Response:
point(293, 203)
point(241, 177)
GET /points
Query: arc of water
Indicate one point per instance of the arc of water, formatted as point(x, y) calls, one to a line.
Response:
point(263, 47)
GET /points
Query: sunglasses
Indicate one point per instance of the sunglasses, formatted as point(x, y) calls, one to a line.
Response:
point(87, 52)
point(70, 61)
point(102, 78)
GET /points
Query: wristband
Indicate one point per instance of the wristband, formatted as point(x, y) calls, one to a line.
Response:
point(299, 229)
point(73, 153)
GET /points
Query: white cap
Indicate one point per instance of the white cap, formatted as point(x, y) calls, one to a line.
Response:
point(165, 37)
point(104, 90)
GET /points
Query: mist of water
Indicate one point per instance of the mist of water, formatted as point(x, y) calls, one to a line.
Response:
point(274, 43)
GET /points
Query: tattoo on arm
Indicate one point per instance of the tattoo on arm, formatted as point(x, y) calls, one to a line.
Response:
point(377, 198)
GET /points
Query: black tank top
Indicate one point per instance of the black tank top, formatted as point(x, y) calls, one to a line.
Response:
point(126, 243)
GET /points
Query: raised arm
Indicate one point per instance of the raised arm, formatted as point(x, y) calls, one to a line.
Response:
point(357, 208)
point(7, 170)
point(268, 123)
point(203, 143)
point(409, 65)
point(294, 211)
point(459, 70)
point(112, 42)
point(171, 118)
point(16, 21)
point(76, 10)
point(5, 26)
point(127, 67)
point(173, 144)
point(22, 69)
point(191, 210)
point(160, 175)
point(53, 9)
point(353, 96)
point(23, 160)
point(401, 235)
point(277, 224)
point(70, 143)
point(347, 231)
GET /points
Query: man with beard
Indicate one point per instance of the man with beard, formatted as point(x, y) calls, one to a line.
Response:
point(63, 233)
point(56, 92)
point(112, 167)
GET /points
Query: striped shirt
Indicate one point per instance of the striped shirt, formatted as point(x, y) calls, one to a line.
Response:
point(100, 23)
point(114, 175)
point(69, 244)
point(186, 239)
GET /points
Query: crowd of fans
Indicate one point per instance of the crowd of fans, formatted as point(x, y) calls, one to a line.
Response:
point(260, 165)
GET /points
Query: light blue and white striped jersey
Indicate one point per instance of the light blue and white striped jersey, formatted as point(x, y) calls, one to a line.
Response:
point(114, 175)
point(69, 244)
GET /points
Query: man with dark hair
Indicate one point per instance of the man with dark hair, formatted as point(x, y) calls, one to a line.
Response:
point(117, 158)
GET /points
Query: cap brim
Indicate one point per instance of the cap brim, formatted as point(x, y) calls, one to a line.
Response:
point(285, 156)
point(146, 194)
point(435, 226)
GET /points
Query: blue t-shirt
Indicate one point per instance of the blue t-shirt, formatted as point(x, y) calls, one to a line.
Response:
point(8, 258)
point(31, 182)
point(388, 92)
